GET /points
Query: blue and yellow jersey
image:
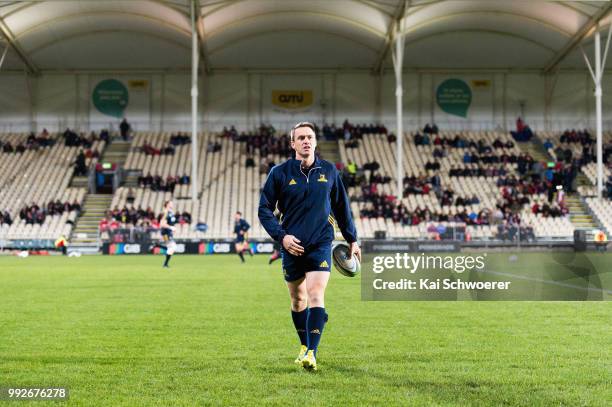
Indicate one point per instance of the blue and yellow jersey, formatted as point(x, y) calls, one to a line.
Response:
point(170, 220)
point(241, 226)
point(308, 202)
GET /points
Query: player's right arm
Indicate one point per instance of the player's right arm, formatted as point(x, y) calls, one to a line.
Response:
point(267, 204)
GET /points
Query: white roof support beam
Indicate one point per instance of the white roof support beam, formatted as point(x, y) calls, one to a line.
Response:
point(597, 77)
point(576, 38)
point(200, 29)
point(194, 101)
point(31, 68)
point(394, 26)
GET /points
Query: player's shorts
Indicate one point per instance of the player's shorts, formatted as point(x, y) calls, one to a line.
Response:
point(315, 258)
point(239, 239)
point(167, 235)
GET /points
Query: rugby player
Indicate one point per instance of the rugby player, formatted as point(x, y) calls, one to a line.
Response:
point(167, 223)
point(241, 227)
point(307, 191)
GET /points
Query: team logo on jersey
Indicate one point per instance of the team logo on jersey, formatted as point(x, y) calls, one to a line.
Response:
point(292, 182)
point(324, 264)
point(322, 178)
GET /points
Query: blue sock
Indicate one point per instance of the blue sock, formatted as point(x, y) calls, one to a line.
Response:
point(315, 322)
point(299, 321)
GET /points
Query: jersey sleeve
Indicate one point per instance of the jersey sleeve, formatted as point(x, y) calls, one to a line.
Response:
point(267, 204)
point(341, 208)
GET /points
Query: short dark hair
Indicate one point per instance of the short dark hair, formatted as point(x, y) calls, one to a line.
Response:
point(238, 213)
point(302, 124)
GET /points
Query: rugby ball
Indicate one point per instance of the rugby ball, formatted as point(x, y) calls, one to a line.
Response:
point(347, 267)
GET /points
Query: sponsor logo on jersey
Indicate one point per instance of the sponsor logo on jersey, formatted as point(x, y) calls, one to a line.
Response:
point(292, 182)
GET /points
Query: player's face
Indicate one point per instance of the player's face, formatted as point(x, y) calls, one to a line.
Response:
point(170, 206)
point(236, 217)
point(304, 142)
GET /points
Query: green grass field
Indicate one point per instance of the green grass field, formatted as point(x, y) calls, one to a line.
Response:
point(121, 331)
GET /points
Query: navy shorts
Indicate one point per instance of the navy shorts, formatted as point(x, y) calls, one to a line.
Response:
point(167, 235)
point(316, 258)
point(239, 239)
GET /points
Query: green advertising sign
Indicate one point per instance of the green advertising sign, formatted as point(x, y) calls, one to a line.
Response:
point(110, 97)
point(454, 97)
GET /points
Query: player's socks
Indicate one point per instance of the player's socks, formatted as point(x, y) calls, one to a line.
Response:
point(166, 263)
point(275, 256)
point(250, 252)
point(299, 321)
point(314, 325)
point(241, 256)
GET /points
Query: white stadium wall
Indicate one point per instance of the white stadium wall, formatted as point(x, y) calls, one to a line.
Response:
point(161, 101)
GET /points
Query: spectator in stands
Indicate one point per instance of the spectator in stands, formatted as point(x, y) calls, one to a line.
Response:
point(105, 136)
point(523, 132)
point(80, 168)
point(179, 139)
point(125, 128)
point(8, 148)
point(76, 206)
point(6, 218)
point(250, 162)
point(130, 196)
point(351, 168)
point(548, 144)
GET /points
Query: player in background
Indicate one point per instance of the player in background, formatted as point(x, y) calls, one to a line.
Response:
point(275, 254)
point(241, 228)
point(167, 223)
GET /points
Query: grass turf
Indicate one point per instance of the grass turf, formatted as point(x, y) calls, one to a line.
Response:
point(211, 331)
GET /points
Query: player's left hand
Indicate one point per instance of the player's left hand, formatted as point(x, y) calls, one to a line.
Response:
point(355, 250)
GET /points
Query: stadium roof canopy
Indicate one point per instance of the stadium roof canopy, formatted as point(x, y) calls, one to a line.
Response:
point(297, 34)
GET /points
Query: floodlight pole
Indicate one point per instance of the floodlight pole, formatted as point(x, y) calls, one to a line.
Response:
point(194, 104)
point(398, 62)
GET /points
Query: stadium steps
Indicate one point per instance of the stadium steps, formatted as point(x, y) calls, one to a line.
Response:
point(117, 152)
point(578, 212)
point(80, 182)
point(536, 149)
point(582, 180)
point(329, 150)
point(579, 215)
point(85, 234)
